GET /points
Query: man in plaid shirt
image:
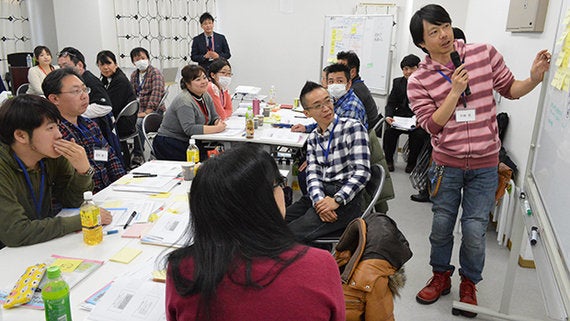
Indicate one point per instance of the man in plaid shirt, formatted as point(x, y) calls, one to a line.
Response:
point(338, 168)
point(66, 90)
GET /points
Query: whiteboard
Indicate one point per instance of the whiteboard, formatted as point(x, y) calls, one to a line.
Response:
point(547, 182)
point(370, 37)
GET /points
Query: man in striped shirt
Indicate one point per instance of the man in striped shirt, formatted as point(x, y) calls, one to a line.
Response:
point(464, 135)
point(338, 168)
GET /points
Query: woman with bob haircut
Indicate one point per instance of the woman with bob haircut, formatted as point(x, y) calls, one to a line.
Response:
point(192, 112)
point(244, 263)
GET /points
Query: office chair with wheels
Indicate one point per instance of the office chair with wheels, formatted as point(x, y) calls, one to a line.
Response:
point(374, 189)
point(127, 128)
point(22, 89)
point(151, 124)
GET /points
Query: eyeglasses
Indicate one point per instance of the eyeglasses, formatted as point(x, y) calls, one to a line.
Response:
point(78, 91)
point(326, 102)
point(281, 181)
point(65, 54)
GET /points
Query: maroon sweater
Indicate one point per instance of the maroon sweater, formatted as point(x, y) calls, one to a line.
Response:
point(467, 145)
point(308, 289)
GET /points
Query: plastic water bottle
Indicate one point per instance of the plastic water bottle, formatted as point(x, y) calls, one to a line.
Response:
point(55, 295)
point(271, 95)
point(192, 153)
point(249, 123)
point(29, 61)
point(90, 220)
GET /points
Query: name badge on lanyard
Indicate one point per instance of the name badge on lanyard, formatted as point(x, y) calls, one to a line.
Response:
point(464, 115)
point(461, 115)
point(100, 154)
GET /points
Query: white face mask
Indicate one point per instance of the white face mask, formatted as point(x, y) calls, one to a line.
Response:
point(142, 64)
point(224, 81)
point(337, 90)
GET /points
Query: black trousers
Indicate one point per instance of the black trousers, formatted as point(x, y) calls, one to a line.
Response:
point(417, 139)
point(306, 224)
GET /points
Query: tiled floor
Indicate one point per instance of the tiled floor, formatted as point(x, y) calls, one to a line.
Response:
point(414, 219)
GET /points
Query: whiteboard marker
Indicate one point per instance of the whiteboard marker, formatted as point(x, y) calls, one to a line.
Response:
point(533, 235)
point(526, 204)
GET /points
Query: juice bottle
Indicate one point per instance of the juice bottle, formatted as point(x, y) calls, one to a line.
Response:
point(249, 123)
point(55, 295)
point(90, 220)
point(193, 153)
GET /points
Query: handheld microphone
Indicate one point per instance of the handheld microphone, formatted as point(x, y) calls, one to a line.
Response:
point(457, 62)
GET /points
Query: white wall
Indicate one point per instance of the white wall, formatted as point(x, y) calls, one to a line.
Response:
point(86, 25)
point(519, 50)
point(42, 24)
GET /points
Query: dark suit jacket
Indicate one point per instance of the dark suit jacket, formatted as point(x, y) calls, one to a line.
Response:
point(398, 103)
point(200, 47)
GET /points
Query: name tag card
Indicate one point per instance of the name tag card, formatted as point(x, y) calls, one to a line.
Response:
point(465, 115)
point(100, 155)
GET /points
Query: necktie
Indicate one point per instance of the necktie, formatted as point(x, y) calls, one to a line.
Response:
point(209, 42)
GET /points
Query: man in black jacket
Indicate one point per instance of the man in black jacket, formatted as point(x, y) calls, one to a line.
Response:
point(398, 105)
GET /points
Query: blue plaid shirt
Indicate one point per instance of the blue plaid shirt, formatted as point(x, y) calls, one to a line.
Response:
point(347, 106)
point(348, 160)
point(90, 137)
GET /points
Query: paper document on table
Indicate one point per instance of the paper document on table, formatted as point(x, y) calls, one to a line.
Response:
point(282, 135)
point(170, 229)
point(160, 168)
point(404, 123)
point(159, 184)
point(131, 299)
point(249, 90)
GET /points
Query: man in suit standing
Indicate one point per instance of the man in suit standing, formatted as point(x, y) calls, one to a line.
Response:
point(209, 45)
point(399, 105)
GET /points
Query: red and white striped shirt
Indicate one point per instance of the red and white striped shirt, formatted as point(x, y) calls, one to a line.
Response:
point(473, 144)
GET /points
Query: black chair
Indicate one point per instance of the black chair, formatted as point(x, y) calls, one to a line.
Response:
point(22, 89)
point(127, 129)
point(150, 126)
point(374, 189)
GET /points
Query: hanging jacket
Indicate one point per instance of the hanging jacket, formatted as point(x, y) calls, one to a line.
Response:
point(370, 255)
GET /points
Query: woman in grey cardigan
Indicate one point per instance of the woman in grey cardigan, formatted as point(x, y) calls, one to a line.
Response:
point(192, 112)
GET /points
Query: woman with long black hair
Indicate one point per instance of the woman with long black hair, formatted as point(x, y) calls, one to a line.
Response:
point(244, 263)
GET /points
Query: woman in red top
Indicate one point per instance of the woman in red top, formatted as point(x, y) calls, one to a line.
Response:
point(244, 263)
point(220, 73)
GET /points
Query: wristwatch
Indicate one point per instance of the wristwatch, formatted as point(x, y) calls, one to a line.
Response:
point(89, 172)
point(339, 200)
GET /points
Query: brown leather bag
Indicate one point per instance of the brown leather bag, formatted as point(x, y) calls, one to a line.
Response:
point(505, 175)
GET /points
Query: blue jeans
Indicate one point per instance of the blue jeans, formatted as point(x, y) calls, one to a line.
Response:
point(475, 191)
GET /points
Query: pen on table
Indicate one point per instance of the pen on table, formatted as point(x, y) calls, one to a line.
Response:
point(300, 117)
point(130, 219)
point(111, 232)
point(144, 175)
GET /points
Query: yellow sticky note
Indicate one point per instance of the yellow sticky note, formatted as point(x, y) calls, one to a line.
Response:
point(125, 255)
point(67, 265)
point(112, 204)
point(353, 30)
point(159, 276)
point(160, 195)
point(181, 198)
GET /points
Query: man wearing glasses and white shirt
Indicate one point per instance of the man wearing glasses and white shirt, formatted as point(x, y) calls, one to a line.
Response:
point(66, 90)
point(338, 168)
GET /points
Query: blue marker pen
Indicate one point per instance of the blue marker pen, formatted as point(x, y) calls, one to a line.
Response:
point(110, 232)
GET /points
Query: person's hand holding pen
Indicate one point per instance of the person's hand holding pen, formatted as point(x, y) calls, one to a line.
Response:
point(299, 128)
point(106, 217)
